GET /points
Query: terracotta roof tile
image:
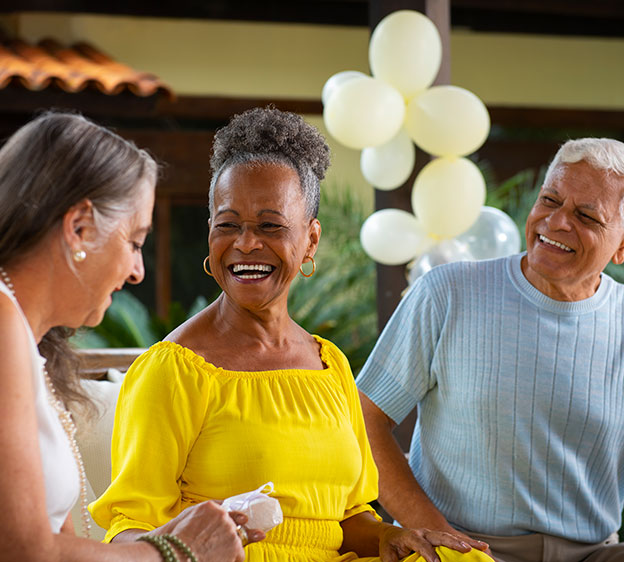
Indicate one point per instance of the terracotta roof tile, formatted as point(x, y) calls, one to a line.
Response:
point(72, 69)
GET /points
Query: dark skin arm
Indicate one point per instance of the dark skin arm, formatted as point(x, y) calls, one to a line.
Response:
point(366, 536)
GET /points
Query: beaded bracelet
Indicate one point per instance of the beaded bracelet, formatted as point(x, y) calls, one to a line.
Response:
point(161, 542)
point(182, 546)
point(163, 546)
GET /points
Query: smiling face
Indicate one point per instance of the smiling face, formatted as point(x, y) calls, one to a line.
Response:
point(573, 230)
point(118, 259)
point(259, 233)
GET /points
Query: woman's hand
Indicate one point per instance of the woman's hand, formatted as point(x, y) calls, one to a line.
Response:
point(397, 542)
point(211, 532)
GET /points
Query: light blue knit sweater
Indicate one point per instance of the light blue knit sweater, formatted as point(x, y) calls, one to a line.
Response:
point(521, 399)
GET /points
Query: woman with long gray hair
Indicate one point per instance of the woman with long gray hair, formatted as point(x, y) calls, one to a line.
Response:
point(76, 203)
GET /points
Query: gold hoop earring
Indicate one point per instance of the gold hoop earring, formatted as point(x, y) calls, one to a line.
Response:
point(311, 272)
point(79, 255)
point(206, 268)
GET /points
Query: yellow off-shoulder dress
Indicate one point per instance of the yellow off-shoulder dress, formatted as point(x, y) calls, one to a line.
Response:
point(187, 431)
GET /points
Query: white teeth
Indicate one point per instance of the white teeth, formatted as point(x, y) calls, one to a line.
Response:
point(252, 267)
point(252, 276)
point(554, 243)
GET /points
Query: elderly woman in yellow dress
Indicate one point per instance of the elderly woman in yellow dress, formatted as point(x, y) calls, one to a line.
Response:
point(240, 394)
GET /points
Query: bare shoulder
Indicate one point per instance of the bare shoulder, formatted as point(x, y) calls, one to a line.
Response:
point(13, 338)
point(16, 398)
point(21, 473)
point(185, 330)
point(193, 334)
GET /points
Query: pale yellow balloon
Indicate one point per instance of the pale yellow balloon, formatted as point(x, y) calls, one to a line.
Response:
point(364, 112)
point(405, 50)
point(448, 195)
point(336, 80)
point(393, 236)
point(447, 121)
point(389, 165)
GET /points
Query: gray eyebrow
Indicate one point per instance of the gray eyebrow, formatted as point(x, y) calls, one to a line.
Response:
point(588, 206)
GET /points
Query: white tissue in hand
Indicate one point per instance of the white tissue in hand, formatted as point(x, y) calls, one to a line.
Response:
point(263, 512)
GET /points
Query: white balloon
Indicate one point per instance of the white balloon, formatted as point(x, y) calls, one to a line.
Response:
point(335, 81)
point(393, 237)
point(446, 251)
point(405, 50)
point(389, 166)
point(493, 235)
point(447, 121)
point(364, 112)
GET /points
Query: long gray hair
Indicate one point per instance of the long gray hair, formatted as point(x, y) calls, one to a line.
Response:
point(49, 165)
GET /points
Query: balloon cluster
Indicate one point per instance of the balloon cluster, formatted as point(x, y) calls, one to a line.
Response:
point(384, 115)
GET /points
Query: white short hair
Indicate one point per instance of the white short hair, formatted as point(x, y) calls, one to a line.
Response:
point(602, 154)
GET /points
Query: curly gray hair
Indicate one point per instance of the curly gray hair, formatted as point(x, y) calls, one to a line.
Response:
point(269, 135)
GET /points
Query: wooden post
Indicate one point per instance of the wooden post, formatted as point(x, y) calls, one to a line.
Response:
point(391, 280)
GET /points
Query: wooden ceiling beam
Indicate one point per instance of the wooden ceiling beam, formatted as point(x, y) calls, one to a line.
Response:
point(555, 17)
point(594, 9)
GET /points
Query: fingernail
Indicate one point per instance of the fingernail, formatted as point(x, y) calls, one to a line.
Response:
point(466, 545)
point(255, 536)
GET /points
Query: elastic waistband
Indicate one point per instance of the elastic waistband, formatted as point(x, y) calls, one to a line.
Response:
point(307, 533)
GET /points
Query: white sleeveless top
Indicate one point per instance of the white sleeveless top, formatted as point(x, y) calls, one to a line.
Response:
point(62, 482)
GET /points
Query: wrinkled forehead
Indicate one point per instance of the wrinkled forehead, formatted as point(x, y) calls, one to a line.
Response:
point(589, 186)
point(258, 184)
point(585, 177)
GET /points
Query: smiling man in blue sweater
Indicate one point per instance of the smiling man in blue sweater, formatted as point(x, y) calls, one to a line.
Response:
point(517, 368)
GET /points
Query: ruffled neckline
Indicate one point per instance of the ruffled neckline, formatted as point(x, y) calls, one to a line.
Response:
point(199, 361)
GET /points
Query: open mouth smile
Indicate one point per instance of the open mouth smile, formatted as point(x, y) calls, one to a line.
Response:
point(550, 242)
point(251, 271)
